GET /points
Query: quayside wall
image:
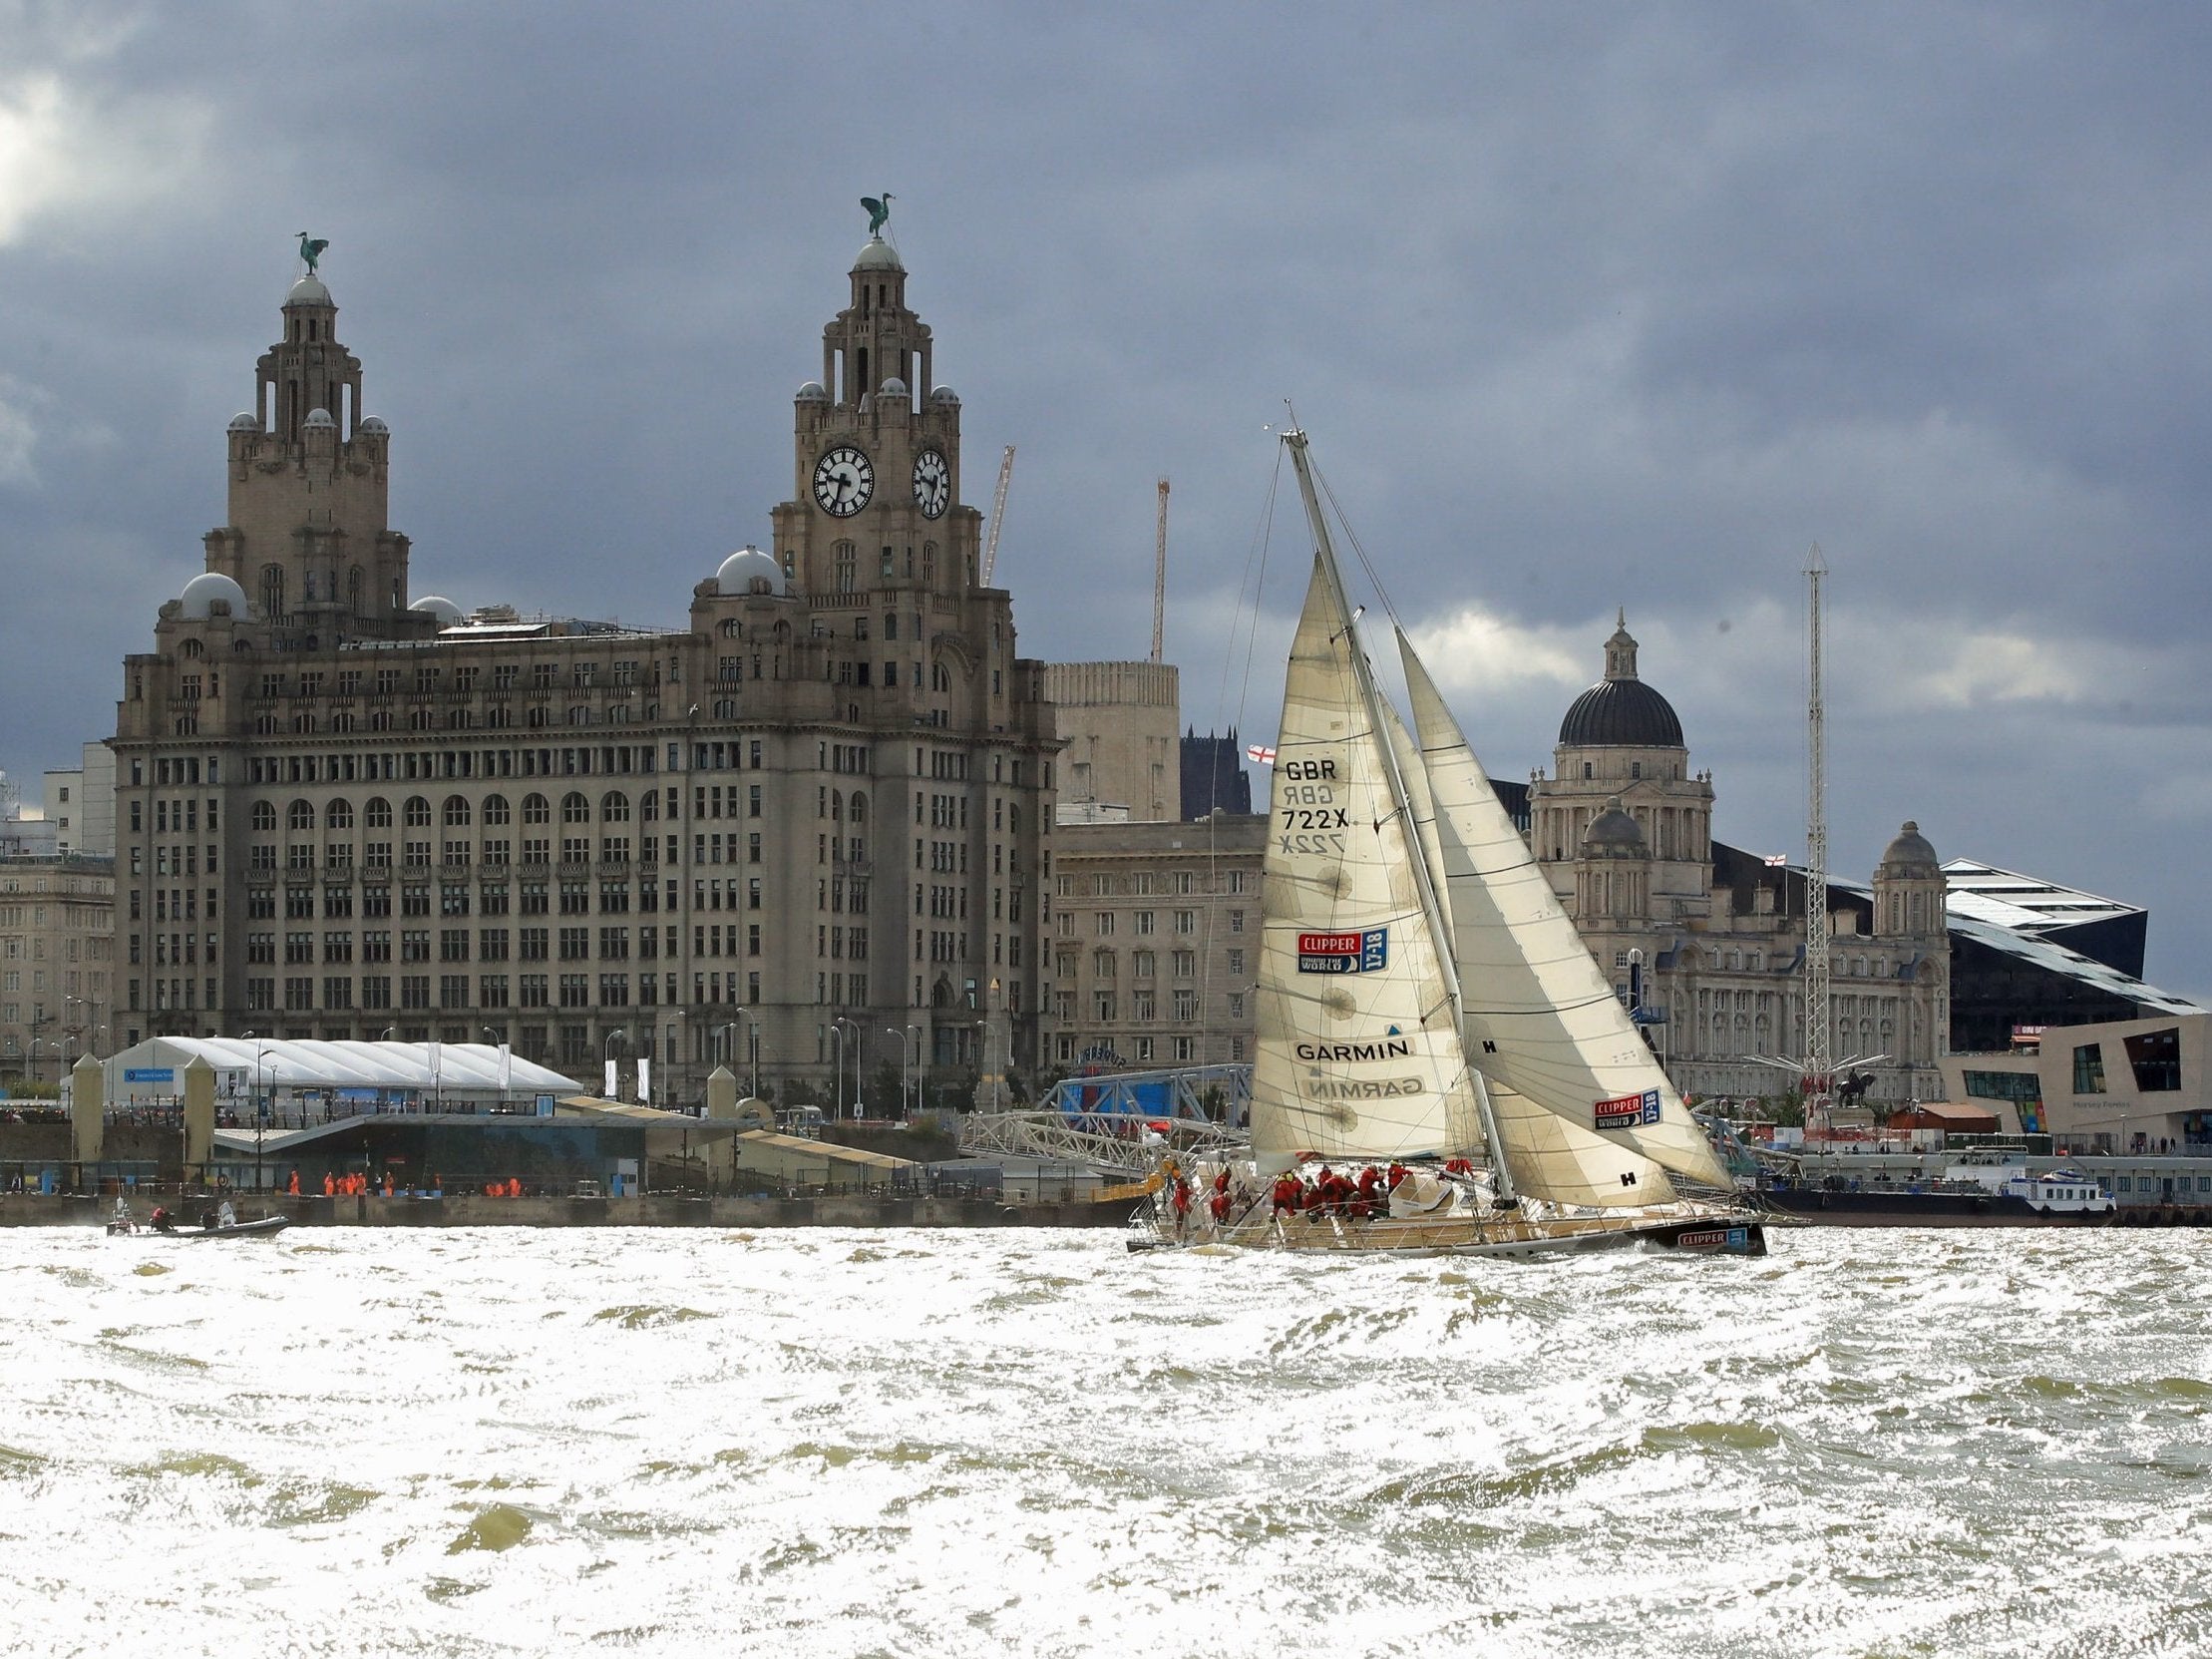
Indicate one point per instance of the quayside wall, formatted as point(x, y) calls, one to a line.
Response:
point(648, 1210)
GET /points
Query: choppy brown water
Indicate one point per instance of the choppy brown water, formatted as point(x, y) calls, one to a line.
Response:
point(962, 1443)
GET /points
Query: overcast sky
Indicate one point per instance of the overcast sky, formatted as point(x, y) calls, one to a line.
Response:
point(1585, 307)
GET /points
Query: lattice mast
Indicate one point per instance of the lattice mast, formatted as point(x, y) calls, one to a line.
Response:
point(1818, 1070)
point(1160, 577)
point(997, 514)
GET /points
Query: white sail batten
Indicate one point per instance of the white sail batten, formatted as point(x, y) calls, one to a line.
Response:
point(1358, 1046)
point(1540, 1017)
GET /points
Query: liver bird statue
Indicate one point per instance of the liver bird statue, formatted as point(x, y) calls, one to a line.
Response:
point(877, 212)
point(310, 249)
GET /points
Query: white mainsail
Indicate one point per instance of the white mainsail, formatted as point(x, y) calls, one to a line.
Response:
point(1546, 1156)
point(1360, 1049)
point(1540, 1018)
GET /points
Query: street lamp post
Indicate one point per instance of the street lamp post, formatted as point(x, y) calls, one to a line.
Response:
point(855, 1029)
point(837, 1067)
point(900, 1038)
point(914, 1032)
point(260, 1105)
point(606, 1052)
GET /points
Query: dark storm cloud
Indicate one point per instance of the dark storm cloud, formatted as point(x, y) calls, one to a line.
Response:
point(1586, 306)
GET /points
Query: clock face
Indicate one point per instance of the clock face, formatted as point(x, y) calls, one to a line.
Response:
point(932, 484)
point(843, 482)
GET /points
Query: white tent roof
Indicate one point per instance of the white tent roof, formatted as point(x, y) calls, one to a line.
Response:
point(280, 1063)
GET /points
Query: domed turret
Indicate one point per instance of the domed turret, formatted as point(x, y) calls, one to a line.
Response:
point(449, 615)
point(319, 420)
point(1908, 854)
point(893, 387)
point(945, 397)
point(812, 392)
point(749, 570)
point(373, 427)
point(1614, 833)
point(878, 255)
point(246, 421)
point(209, 589)
point(1621, 712)
point(308, 290)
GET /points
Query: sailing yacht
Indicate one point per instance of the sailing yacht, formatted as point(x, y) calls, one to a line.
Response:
point(1442, 1066)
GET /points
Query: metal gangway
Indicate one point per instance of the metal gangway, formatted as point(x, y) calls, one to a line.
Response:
point(1118, 1122)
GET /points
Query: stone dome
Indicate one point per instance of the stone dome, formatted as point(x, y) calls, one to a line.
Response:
point(812, 392)
point(1614, 831)
point(945, 396)
point(449, 615)
point(893, 387)
point(746, 567)
point(308, 290)
point(207, 590)
point(1621, 712)
point(878, 255)
point(1910, 854)
point(246, 421)
point(318, 419)
point(374, 426)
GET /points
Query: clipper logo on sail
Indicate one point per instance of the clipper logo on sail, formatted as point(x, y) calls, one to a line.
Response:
point(1343, 953)
point(1629, 1110)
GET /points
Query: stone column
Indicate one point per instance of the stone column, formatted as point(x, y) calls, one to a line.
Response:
point(199, 1117)
point(88, 1107)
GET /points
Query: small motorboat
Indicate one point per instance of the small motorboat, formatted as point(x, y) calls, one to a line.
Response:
point(221, 1222)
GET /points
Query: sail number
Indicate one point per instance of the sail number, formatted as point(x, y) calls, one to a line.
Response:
point(1307, 794)
point(1300, 769)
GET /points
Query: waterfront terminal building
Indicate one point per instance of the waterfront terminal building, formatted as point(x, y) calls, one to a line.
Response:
point(807, 827)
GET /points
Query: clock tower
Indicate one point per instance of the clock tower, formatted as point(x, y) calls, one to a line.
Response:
point(876, 455)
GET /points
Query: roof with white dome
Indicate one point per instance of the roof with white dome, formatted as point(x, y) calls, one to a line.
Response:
point(308, 290)
point(245, 420)
point(206, 590)
point(437, 605)
point(744, 567)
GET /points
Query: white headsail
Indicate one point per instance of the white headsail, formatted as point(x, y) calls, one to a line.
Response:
point(1358, 1046)
point(1540, 1018)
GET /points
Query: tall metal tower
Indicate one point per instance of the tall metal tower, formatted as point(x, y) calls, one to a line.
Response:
point(1818, 1070)
point(1160, 577)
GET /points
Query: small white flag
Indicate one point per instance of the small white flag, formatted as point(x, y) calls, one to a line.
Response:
point(644, 1082)
point(1780, 861)
point(1261, 753)
point(608, 1092)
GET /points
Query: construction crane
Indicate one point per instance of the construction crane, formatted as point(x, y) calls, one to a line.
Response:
point(997, 514)
point(1160, 575)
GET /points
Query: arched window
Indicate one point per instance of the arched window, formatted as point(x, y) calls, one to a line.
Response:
point(456, 812)
point(537, 810)
point(302, 815)
point(575, 809)
point(614, 809)
point(859, 807)
point(264, 816)
point(376, 814)
point(418, 812)
point(495, 810)
point(338, 815)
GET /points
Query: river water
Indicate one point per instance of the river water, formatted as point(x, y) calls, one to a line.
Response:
point(810, 1443)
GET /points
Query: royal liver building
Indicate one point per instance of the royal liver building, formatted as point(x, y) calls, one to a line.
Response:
point(800, 831)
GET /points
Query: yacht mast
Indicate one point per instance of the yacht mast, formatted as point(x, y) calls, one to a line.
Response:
point(1818, 1063)
point(1432, 902)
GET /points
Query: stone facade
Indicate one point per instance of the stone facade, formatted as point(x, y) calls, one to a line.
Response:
point(821, 809)
point(1154, 943)
point(57, 958)
point(1118, 721)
